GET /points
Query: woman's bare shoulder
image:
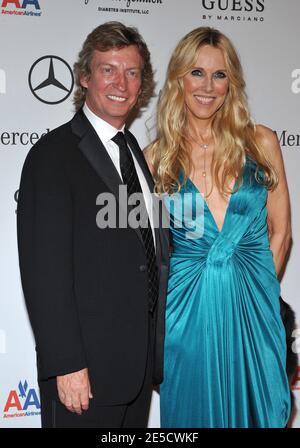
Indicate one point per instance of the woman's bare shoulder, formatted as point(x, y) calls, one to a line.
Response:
point(266, 135)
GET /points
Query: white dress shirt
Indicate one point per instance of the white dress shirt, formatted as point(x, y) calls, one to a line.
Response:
point(106, 132)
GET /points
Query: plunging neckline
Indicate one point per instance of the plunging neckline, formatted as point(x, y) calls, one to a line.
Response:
point(208, 209)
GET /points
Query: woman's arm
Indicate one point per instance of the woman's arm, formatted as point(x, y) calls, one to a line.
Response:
point(278, 203)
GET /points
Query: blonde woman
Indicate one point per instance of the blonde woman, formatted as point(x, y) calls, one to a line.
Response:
point(225, 347)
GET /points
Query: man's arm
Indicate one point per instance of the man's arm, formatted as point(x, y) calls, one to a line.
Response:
point(44, 223)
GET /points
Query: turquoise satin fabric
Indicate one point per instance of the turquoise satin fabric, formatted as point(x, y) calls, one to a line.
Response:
point(225, 348)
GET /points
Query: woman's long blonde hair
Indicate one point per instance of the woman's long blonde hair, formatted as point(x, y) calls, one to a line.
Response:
point(232, 127)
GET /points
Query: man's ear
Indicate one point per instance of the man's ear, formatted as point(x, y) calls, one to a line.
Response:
point(84, 81)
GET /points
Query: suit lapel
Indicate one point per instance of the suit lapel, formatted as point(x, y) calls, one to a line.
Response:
point(95, 152)
point(93, 149)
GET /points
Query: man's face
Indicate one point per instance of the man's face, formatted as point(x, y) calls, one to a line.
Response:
point(114, 84)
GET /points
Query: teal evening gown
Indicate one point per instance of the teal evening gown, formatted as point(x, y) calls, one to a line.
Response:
point(225, 347)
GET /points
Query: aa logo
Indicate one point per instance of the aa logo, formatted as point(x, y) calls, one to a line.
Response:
point(22, 402)
point(21, 7)
point(22, 4)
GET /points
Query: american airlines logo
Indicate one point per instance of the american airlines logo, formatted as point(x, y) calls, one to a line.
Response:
point(29, 8)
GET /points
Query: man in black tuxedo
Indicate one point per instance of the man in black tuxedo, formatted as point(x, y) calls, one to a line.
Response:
point(95, 293)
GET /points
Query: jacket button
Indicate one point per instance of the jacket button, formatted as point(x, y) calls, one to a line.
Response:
point(143, 268)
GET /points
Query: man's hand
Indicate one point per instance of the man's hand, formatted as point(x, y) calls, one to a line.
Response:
point(74, 390)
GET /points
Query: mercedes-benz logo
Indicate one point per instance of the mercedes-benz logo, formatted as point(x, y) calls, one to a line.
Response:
point(51, 79)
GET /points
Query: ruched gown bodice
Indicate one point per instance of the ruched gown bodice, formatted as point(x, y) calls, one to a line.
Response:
point(225, 349)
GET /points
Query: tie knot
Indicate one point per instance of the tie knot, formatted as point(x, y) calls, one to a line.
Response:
point(120, 139)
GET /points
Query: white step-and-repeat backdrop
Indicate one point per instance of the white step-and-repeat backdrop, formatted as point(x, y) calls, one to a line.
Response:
point(34, 32)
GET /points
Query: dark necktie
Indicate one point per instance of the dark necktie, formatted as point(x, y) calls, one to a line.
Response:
point(130, 178)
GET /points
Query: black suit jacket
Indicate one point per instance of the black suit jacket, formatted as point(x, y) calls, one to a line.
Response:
point(85, 287)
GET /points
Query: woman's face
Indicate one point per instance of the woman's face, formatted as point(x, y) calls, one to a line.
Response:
point(206, 85)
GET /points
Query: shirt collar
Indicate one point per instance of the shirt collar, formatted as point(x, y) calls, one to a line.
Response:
point(104, 130)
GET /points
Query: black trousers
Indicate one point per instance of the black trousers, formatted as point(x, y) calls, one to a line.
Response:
point(131, 415)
